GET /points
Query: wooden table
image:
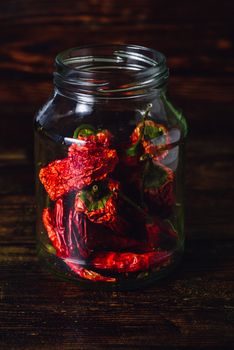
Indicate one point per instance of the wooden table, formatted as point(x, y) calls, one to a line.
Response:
point(194, 308)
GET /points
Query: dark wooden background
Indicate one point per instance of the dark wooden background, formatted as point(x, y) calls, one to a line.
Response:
point(194, 308)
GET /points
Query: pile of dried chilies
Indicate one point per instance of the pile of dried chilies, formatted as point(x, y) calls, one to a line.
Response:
point(109, 212)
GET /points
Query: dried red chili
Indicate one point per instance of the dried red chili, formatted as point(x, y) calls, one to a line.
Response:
point(154, 138)
point(67, 240)
point(88, 133)
point(84, 164)
point(85, 171)
point(77, 235)
point(158, 187)
point(98, 202)
point(131, 262)
point(88, 274)
point(53, 222)
point(161, 234)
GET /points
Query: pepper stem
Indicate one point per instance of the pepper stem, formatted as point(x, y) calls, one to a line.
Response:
point(84, 127)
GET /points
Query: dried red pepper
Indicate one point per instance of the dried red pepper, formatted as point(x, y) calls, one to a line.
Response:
point(68, 238)
point(153, 137)
point(158, 187)
point(149, 146)
point(131, 262)
point(86, 171)
point(77, 235)
point(88, 274)
point(161, 234)
point(85, 164)
point(99, 202)
point(53, 222)
point(88, 133)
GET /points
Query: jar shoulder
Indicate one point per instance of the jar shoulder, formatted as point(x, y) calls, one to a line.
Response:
point(55, 107)
point(175, 114)
point(62, 115)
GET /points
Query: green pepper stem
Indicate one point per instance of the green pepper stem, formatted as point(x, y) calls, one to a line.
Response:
point(81, 127)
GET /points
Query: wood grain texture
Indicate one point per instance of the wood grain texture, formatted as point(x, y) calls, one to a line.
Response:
point(194, 308)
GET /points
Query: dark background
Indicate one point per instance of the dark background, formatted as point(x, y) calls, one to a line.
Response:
point(194, 308)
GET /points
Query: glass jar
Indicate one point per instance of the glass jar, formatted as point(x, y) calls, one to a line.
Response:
point(109, 169)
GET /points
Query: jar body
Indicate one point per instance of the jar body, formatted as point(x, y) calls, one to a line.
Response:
point(109, 189)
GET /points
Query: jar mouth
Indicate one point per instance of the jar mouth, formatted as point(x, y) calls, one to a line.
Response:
point(110, 69)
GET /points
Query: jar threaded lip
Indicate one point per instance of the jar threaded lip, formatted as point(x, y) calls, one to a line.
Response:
point(110, 70)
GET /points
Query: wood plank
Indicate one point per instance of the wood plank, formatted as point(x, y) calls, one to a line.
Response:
point(207, 50)
point(107, 12)
point(200, 302)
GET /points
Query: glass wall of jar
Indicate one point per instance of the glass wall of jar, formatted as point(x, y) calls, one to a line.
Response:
point(109, 169)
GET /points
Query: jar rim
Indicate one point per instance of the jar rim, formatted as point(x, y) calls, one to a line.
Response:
point(65, 54)
point(110, 69)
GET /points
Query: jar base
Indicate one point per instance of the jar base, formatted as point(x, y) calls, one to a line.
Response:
point(58, 267)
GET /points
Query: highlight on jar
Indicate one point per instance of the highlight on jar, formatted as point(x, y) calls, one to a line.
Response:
point(112, 212)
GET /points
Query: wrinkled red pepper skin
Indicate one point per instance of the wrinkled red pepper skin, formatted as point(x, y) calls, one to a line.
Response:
point(105, 214)
point(82, 237)
point(52, 220)
point(77, 233)
point(84, 164)
point(130, 262)
point(162, 199)
point(65, 245)
point(88, 274)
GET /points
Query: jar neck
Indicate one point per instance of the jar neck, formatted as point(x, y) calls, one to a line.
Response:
point(110, 72)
